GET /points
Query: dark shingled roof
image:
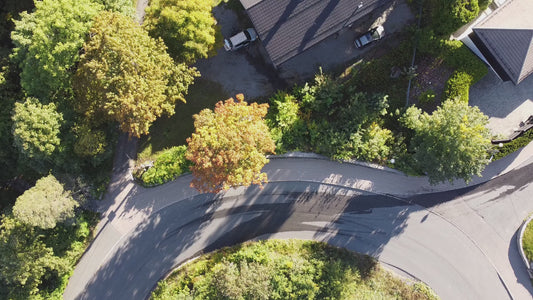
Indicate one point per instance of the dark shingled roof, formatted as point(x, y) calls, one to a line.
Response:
point(289, 27)
point(505, 38)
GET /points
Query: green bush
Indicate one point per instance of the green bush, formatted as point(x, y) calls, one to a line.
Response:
point(427, 97)
point(458, 86)
point(446, 16)
point(527, 241)
point(457, 56)
point(514, 145)
point(168, 165)
point(286, 269)
point(331, 118)
point(37, 263)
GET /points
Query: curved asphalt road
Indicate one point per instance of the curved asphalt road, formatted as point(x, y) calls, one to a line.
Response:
point(459, 242)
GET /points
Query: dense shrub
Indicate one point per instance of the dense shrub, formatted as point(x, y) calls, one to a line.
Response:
point(514, 145)
point(458, 86)
point(286, 269)
point(446, 16)
point(168, 165)
point(37, 263)
point(331, 118)
point(457, 55)
point(527, 241)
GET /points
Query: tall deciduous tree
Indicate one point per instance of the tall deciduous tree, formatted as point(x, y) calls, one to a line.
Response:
point(47, 43)
point(187, 27)
point(24, 259)
point(126, 76)
point(45, 204)
point(36, 128)
point(229, 145)
point(451, 143)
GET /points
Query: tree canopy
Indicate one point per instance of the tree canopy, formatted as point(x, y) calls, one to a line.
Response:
point(451, 143)
point(186, 27)
point(24, 259)
point(45, 204)
point(36, 128)
point(47, 42)
point(229, 145)
point(126, 76)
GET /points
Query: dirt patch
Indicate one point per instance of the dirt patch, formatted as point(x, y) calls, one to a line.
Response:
point(428, 86)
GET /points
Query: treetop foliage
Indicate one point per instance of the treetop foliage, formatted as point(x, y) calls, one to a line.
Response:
point(36, 128)
point(229, 145)
point(450, 143)
point(186, 27)
point(47, 42)
point(45, 204)
point(126, 76)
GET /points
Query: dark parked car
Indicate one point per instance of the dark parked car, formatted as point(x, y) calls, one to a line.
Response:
point(240, 40)
point(372, 35)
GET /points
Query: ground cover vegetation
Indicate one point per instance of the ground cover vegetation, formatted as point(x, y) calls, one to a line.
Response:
point(286, 269)
point(527, 241)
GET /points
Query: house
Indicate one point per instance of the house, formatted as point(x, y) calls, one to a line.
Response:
point(287, 28)
point(504, 40)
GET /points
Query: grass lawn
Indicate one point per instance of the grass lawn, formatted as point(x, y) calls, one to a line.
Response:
point(527, 241)
point(172, 131)
point(287, 269)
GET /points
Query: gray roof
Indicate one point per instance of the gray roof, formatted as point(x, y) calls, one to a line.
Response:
point(507, 39)
point(288, 27)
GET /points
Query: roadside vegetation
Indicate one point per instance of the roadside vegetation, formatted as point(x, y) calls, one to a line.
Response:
point(287, 269)
point(527, 241)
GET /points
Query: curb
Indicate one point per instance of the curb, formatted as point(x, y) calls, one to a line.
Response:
point(521, 250)
point(308, 155)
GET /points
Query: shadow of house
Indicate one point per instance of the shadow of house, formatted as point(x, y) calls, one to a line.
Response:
point(287, 28)
point(504, 40)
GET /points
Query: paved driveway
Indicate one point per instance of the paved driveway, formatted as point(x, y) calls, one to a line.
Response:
point(506, 104)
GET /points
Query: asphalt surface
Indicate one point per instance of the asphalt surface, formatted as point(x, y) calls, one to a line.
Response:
point(459, 242)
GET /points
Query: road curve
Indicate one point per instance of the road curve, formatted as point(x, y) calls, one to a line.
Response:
point(459, 242)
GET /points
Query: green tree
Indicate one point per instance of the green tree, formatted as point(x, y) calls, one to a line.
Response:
point(47, 42)
point(449, 15)
point(24, 259)
point(36, 128)
point(450, 143)
point(186, 27)
point(45, 204)
point(124, 7)
point(229, 145)
point(126, 76)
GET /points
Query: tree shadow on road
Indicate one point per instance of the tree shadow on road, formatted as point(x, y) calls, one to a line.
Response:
point(205, 222)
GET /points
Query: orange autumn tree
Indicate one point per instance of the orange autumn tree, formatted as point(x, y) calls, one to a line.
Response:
point(229, 145)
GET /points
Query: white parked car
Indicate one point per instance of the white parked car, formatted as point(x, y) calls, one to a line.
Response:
point(240, 40)
point(372, 35)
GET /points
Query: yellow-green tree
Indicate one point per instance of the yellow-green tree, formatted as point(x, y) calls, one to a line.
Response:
point(36, 128)
point(126, 76)
point(229, 145)
point(45, 204)
point(47, 42)
point(451, 143)
point(186, 27)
